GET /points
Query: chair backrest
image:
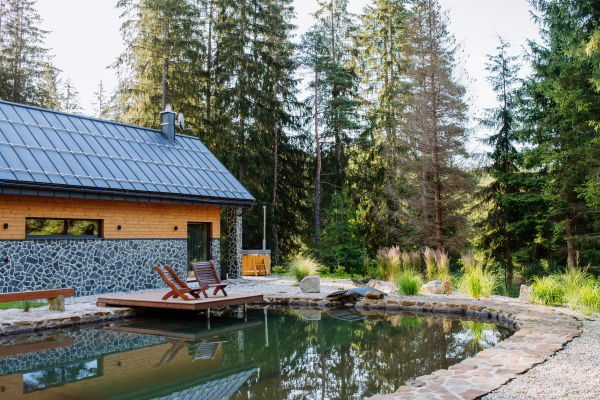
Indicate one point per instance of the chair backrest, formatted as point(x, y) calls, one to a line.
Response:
point(169, 276)
point(205, 272)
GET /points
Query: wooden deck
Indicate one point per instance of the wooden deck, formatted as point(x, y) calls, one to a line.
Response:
point(154, 300)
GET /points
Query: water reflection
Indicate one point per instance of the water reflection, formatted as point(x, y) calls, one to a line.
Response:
point(275, 354)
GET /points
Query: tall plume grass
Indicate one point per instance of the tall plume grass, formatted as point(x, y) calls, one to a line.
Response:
point(429, 256)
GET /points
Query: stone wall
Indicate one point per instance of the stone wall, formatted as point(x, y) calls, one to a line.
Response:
point(215, 254)
point(91, 266)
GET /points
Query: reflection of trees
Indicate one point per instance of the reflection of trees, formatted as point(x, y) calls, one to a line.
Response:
point(362, 358)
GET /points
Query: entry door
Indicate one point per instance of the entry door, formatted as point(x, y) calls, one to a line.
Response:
point(198, 249)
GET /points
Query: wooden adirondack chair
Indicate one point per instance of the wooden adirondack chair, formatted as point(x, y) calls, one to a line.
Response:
point(206, 275)
point(207, 350)
point(179, 287)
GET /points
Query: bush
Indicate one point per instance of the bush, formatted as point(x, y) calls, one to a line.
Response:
point(323, 270)
point(340, 270)
point(279, 270)
point(477, 282)
point(372, 269)
point(548, 291)
point(301, 267)
point(409, 282)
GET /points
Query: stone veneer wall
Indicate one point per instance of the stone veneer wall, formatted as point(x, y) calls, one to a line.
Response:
point(89, 344)
point(215, 254)
point(91, 266)
point(234, 243)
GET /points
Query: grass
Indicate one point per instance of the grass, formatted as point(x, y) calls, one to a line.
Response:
point(23, 305)
point(578, 290)
point(477, 282)
point(301, 267)
point(409, 283)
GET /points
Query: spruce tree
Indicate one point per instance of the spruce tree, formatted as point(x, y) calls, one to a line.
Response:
point(24, 61)
point(69, 98)
point(560, 101)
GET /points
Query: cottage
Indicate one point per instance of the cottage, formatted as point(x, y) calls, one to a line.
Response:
point(94, 204)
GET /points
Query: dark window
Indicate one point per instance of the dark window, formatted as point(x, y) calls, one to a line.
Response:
point(198, 240)
point(75, 228)
point(58, 376)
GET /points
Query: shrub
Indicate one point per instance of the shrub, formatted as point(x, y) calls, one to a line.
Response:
point(301, 267)
point(548, 290)
point(323, 270)
point(279, 270)
point(372, 270)
point(477, 282)
point(340, 270)
point(409, 282)
point(429, 256)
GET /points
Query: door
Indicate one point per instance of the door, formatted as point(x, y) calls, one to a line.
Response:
point(198, 240)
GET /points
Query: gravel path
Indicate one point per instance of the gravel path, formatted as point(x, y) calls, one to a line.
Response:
point(573, 373)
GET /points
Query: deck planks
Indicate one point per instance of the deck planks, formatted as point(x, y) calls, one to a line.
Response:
point(154, 300)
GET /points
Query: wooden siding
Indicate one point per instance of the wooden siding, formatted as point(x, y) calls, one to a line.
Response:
point(138, 220)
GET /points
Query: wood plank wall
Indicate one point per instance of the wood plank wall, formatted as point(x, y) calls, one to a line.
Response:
point(138, 220)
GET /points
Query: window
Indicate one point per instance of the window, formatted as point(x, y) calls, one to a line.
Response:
point(60, 375)
point(74, 228)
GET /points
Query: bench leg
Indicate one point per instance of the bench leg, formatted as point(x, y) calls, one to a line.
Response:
point(57, 303)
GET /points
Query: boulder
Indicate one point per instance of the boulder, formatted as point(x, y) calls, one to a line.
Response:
point(386, 287)
point(310, 315)
point(373, 295)
point(57, 304)
point(310, 284)
point(433, 287)
point(525, 293)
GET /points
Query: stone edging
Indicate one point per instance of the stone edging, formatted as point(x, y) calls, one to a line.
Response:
point(32, 321)
point(541, 332)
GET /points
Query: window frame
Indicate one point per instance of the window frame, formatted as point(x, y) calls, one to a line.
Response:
point(99, 236)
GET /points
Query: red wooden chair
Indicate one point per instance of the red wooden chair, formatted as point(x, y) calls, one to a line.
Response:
point(206, 275)
point(179, 288)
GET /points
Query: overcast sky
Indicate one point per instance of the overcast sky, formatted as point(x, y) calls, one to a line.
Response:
point(85, 37)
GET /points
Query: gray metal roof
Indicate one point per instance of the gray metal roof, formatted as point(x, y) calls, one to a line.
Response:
point(50, 149)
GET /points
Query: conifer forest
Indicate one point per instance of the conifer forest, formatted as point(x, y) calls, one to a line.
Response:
point(355, 134)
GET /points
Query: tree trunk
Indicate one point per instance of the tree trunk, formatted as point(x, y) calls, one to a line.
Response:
point(570, 249)
point(318, 178)
point(209, 68)
point(275, 236)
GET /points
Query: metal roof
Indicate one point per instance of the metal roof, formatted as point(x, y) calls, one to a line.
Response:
point(50, 149)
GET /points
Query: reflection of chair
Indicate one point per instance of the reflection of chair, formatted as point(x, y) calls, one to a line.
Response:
point(207, 350)
point(172, 352)
point(206, 275)
point(179, 287)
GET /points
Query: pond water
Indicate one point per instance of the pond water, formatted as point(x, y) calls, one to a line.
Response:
point(264, 354)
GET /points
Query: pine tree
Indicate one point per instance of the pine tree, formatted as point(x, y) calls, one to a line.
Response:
point(496, 196)
point(69, 98)
point(101, 104)
point(426, 182)
point(560, 102)
point(23, 59)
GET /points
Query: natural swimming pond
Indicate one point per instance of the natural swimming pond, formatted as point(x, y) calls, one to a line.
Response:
point(264, 354)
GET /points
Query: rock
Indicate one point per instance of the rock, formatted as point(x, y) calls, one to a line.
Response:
point(310, 284)
point(374, 295)
point(386, 287)
point(433, 287)
point(310, 315)
point(525, 293)
point(57, 304)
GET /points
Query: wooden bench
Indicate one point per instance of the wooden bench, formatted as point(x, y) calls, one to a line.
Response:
point(50, 295)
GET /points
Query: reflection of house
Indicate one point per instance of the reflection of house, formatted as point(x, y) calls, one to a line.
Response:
point(153, 368)
point(94, 204)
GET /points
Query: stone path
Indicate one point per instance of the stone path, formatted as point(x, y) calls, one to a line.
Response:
point(542, 332)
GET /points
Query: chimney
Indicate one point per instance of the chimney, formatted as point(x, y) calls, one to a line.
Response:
point(167, 123)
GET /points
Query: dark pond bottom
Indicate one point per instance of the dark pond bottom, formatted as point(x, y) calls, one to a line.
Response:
point(270, 354)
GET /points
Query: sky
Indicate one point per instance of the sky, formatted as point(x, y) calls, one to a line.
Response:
point(85, 38)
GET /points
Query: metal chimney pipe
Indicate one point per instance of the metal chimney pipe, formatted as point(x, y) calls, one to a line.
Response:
point(265, 228)
point(167, 123)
